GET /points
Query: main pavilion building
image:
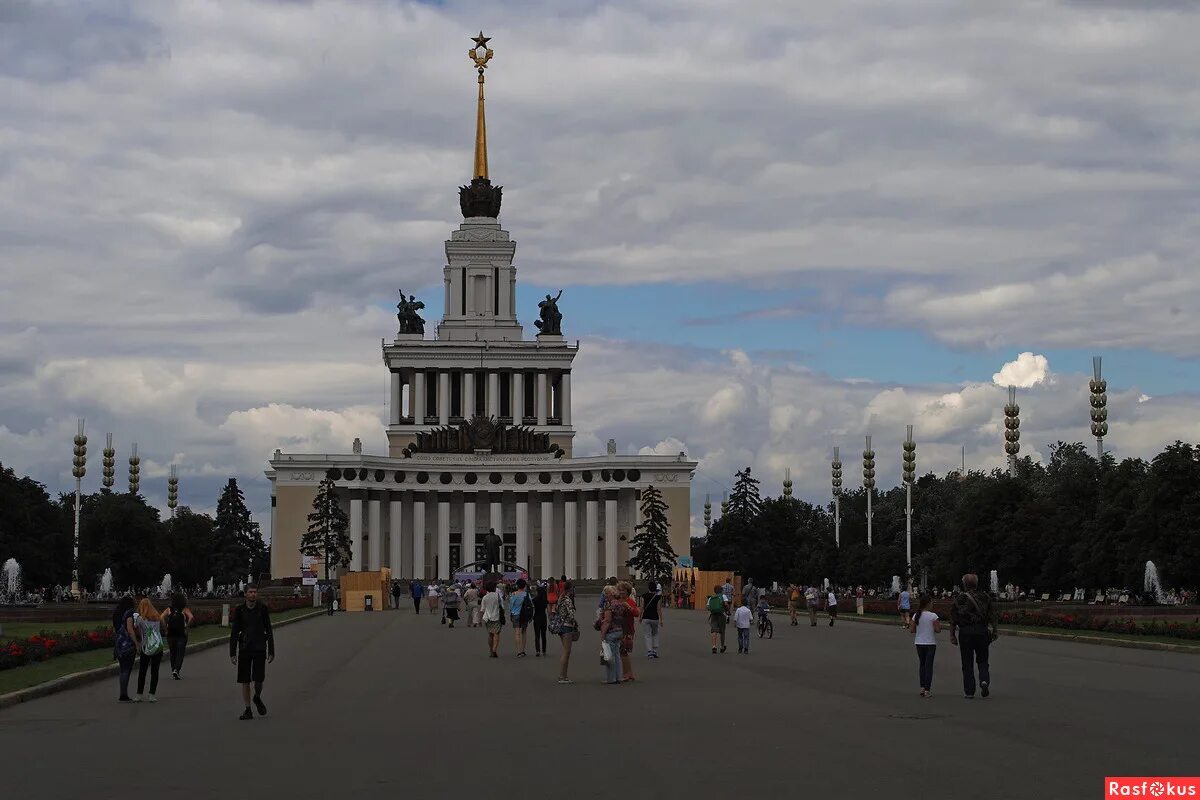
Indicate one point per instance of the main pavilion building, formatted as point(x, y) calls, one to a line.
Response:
point(480, 436)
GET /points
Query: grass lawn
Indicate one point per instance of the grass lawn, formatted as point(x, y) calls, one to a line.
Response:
point(895, 619)
point(32, 674)
point(23, 630)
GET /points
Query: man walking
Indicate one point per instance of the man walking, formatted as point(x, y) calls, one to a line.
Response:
point(811, 599)
point(396, 591)
point(416, 589)
point(652, 617)
point(718, 611)
point(251, 646)
point(972, 628)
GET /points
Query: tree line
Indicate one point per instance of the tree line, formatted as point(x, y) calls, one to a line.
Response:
point(122, 532)
point(1073, 521)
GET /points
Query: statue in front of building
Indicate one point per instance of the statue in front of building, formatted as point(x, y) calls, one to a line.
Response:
point(491, 546)
point(406, 314)
point(551, 318)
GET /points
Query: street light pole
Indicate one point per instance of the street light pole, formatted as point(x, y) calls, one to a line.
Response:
point(1012, 430)
point(869, 483)
point(910, 475)
point(837, 495)
point(1099, 402)
point(78, 469)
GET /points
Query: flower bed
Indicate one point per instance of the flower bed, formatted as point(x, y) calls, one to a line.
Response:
point(44, 646)
point(1183, 629)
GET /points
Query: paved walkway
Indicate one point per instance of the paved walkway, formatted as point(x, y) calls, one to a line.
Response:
point(389, 703)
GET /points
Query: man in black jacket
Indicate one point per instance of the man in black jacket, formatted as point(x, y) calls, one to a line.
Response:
point(972, 628)
point(251, 646)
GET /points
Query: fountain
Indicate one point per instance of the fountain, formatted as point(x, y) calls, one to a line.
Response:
point(12, 578)
point(827, 583)
point(895, 585)
point(164, 588)
point(241, 586)
point(1150, 583)
point(208, 587)
point(106, 582)
point(994, 582)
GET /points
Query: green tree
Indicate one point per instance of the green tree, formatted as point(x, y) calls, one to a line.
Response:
point(238, 547)
point(653, 555)
point(327, 537)
point(121, 532)
point(34, 531)
point(188, 547)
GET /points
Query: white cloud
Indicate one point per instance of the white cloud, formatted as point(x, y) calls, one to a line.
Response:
point(1027, 370)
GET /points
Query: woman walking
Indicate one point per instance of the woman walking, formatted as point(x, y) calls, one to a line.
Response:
point(178, 619)
point(568, 627)
point(493, 618)
point(541, 601)
point(125, 644)
point(628, 628)
point(925, 626)
point(652, 617)
point(520, 608)
point(432, 594)
point(612, 630)
point(147, 629)
point(471, 598)
point(450, 604)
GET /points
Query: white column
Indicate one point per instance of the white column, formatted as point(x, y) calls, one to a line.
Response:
point(395, 415)
point(418, 397)
point(493, 394)
point(443, 565)
point(356, 526)
point(564, 387)
point(591, 547)
point(571, 537)
point(374, 535)
point(418, 569)
point(518, 396)
point(543, 398)
point(468, 394)
point(611, 567)
point(469, 522)
point(443, 398)
point(547, 521)
point(394, 522)
point(522, 514)
point(497, 515)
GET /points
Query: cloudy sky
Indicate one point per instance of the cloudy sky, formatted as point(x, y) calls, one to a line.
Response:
point(779, 225)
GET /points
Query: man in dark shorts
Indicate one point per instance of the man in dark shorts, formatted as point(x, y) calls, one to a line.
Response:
point(251, 646)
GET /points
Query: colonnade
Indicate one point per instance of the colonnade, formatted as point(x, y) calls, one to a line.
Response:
point(544, 394)
point(428, 534)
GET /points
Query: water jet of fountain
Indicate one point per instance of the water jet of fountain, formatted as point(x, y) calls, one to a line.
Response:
point(165, 587)
point(12, 577)
point(209, 586)
point(106, 582)
point(1151, 583)
point(895, 584)
point(994, 582)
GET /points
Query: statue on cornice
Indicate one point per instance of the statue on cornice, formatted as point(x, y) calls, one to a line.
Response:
point(410, 320)
point(551, 318)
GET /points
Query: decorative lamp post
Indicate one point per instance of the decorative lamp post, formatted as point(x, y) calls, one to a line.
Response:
point(135, 471)
point(787, 482)
point(173, 490)
point(869, 483)
point(910, 475)
point(707, 515)
point(78, 469)
point(836, 471)
point(725, 504)
point(110, 462)
point(1099, 401)
point(1012, 430)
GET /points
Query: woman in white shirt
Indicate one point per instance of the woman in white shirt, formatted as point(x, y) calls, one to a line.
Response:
point(925, 626)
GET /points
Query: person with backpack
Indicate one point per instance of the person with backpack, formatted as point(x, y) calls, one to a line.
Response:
point(925, 627)
point(178, 618)
point(251, 647)
point(652, 617)
point(147, 630)
point(972, 630)
point(520, 608)
point(541, 601)
point(718, 611)
point(396, 591)
point(124, 645)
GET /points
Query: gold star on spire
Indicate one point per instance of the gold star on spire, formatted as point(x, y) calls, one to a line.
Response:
point(480, 54)
point(481, 40)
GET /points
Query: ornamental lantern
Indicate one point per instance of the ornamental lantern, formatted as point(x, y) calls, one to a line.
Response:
point(787, 482)
point(79, 462)
point(135, 471)
point(78, 469)
point(909, 458)
point(909, 463)
point(173, 490)
point(725, 504)
point(836, 472)
point(1012, 430)
point(110, 462)
point(868, 472)
point(1099, 402)
point(707, 514)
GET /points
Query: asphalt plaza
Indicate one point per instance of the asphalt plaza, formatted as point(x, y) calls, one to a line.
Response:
point(392, 701)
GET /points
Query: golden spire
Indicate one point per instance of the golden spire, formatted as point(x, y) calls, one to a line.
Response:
point(481, 54)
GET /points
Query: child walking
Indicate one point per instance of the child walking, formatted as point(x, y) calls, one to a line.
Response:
point(742, 618)
point(925, 626)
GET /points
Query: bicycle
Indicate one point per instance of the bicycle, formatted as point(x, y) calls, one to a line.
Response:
point(766, 628)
